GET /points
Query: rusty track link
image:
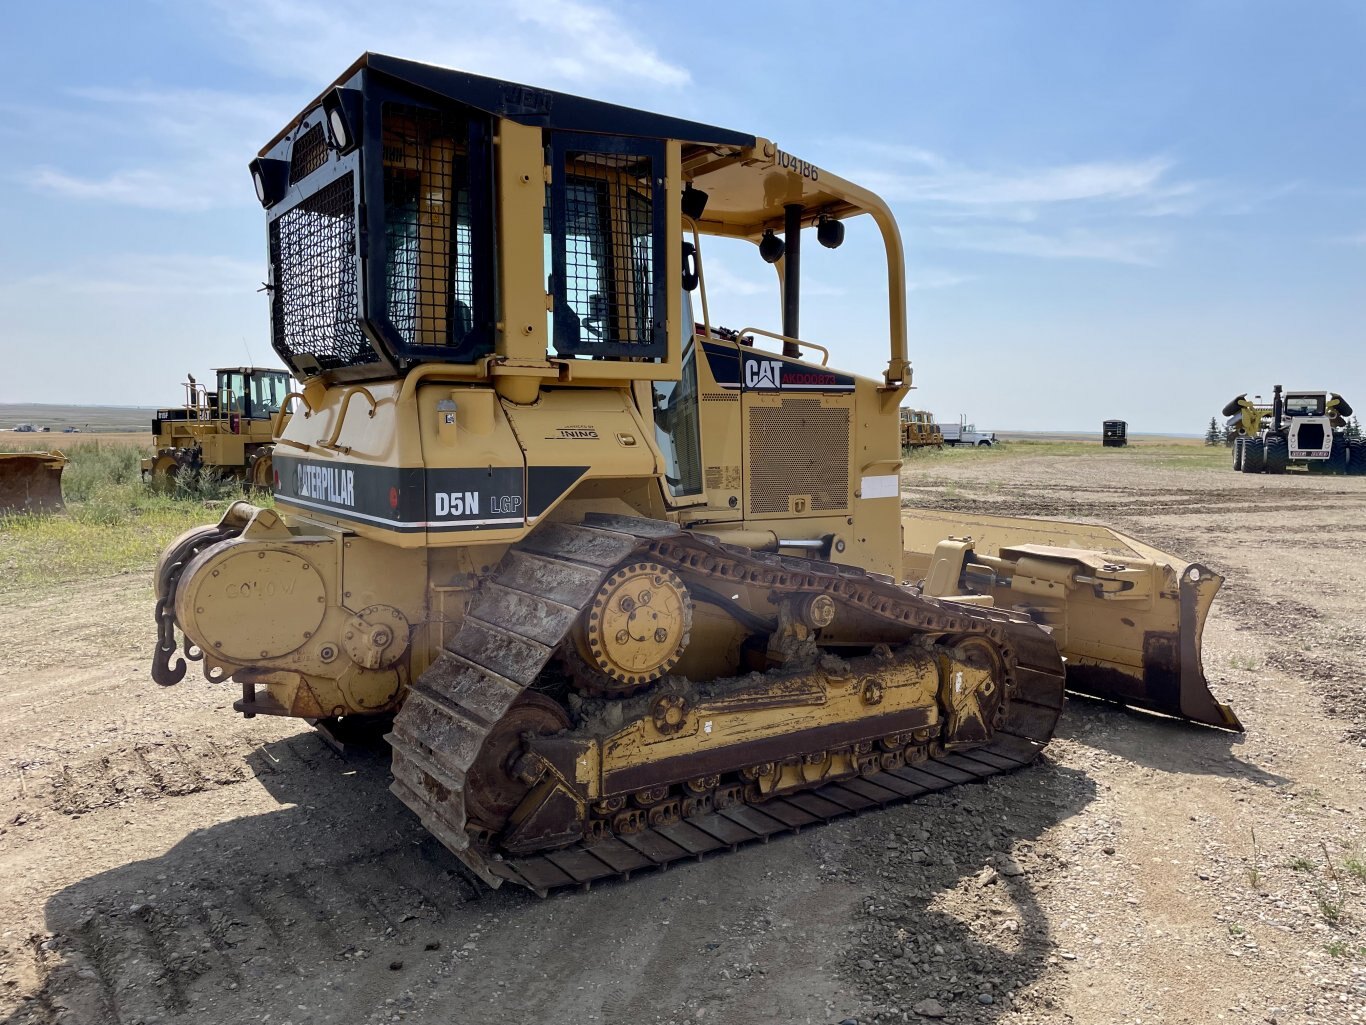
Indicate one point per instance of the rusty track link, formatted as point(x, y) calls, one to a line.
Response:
point(519, 618)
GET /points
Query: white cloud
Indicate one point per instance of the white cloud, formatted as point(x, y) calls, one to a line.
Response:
point(140, 187)
point(1070, 243)
point(1081, 210)
point(138, 275)
point(1062, 184)
point(202, 140)
point(541, 42)
point(927, 279)
point(723, 281)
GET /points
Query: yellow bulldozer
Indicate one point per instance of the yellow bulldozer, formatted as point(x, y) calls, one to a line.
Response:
point(229, 429)
point(918, 429)
point(628, 588)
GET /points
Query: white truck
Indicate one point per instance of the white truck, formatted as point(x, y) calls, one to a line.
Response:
point(964, 433)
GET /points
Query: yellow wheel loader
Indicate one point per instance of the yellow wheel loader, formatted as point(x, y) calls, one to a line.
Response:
point(629, 587)
point(230, 429)
point(31, 482)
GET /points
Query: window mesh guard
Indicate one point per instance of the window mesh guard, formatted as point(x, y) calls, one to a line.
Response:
point(429, 245)
point(315, 301)
point(605, 216)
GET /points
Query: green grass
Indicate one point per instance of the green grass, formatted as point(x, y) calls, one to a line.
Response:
point(1340, 948)
point(114, 523)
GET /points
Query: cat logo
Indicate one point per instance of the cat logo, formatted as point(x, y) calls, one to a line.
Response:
point(763, 373)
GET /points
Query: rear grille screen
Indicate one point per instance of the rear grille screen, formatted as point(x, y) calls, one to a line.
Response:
point(798, 448)
point(315, 302)
point(309, 154)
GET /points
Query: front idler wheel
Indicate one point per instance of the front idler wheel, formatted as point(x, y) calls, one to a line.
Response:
point(494, 785)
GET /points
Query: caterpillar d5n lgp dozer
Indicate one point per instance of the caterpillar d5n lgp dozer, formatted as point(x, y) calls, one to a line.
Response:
point(630, 587)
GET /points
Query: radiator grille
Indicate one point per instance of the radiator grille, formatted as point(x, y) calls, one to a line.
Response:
point(309, 154)
point(1310, 436)
point(314, 303)
point(798, 448)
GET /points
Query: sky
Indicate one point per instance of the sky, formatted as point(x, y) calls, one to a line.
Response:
point(1130, 211)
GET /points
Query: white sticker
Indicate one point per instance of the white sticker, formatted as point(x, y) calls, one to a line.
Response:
point(706, 726)
point(881, 486)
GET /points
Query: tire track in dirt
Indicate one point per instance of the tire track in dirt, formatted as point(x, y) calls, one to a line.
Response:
point(146, 771)
point(206, 946)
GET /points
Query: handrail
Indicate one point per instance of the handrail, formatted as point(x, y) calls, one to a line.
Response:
point(196, 401)
point(453, 371)
point(331, 443)
point(701, 278)
point(284, 406)
point(225, 417)
point(825, 353)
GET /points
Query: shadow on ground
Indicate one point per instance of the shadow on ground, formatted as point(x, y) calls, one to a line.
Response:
point(1159, 742)
point(339, 908)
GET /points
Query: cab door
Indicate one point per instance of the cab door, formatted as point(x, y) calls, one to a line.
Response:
point(677, 423)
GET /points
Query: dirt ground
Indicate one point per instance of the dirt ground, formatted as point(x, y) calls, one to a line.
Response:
point(163, 860)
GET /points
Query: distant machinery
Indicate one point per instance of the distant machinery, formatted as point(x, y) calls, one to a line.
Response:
point(1115, 433)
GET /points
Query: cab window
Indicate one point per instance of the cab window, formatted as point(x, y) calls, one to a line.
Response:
point(232, 394)
point(676, 427)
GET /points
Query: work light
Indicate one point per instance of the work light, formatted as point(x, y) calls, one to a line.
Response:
point(343, 110)
point(271, 178)
point(771, 247)
point(830, 232)
point(694, 202)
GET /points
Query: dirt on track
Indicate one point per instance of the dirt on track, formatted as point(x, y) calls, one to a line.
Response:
point(163, 860)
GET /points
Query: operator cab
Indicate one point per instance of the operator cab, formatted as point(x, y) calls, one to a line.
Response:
point(419, 214)
point(1304, 403)
point(250, 393)
point(522, 245)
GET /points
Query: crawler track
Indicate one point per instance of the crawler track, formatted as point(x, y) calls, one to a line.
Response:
point(520, 617)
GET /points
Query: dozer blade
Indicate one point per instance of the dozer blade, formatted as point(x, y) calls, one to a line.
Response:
point(31, 482)
point(1127, 617)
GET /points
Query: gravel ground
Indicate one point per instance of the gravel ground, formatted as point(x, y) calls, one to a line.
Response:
point(162, 860)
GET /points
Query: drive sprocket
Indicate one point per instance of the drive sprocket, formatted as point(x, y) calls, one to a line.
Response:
point(633, 631)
